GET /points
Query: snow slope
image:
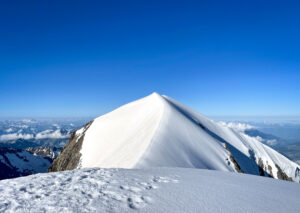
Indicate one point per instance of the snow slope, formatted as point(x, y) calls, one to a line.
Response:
point(157, 131)
point(125, 134)
point(148, 190)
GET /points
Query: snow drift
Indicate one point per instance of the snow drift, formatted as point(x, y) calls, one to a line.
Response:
point(157, 131)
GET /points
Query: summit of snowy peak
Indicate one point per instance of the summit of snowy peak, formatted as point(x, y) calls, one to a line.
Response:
point(155, 93)
point(154, 96)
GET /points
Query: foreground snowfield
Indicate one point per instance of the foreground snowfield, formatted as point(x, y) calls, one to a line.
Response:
point(148, 190)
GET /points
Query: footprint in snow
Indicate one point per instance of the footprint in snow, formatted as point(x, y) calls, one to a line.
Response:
point(136, 202)
point(158, 179)
point(148, 186)
point(131, 188)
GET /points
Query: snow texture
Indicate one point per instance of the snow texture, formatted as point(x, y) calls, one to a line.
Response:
point(148, 190)
point(157, 131)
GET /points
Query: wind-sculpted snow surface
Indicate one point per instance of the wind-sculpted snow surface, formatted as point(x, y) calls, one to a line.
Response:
point(157, 131)
point(147, 190)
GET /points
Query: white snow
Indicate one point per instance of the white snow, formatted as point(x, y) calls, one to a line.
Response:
point(119, 139)
point(148, 190)
point(157, 131)
point(79, 133)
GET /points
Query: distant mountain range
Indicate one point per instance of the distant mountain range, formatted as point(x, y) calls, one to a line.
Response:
point(17, 162)
point(29, 146)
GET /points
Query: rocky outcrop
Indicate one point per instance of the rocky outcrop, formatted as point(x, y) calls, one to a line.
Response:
point(260, 165)
point(267, 171)
point(47, 152)
point(235, 163)
point(270, 171)
point(69, 157)
point(281, 175)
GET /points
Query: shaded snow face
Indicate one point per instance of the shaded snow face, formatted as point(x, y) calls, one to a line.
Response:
point(147, 190)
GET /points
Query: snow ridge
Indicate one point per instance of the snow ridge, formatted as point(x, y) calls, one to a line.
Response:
point(157, 131)
point(119, 139)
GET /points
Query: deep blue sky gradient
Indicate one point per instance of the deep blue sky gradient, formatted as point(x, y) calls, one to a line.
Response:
point(85, 58)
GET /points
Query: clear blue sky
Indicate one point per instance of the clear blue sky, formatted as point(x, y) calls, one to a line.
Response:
point(85, 58)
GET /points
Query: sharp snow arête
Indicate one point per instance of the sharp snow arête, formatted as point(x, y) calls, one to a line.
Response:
point(157, 131)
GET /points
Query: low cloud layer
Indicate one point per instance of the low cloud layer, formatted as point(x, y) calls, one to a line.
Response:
point(270, 142)
point(15, 136)
point(240, 127)
point(9, 130)
point(41, 135)
point(51, 134)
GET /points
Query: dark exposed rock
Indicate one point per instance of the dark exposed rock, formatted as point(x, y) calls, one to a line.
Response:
point(260, 165)
point(70, 155)
point(281, 175)
point(47, 152)
point(270, 171)
point(235, 163)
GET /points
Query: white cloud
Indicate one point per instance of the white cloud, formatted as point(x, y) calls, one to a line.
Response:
point(240, 127)
point(41, 135)
point(16, 136)
point(56, 125)
point(270, 142)
point(51, 134)
point(28, 121)
point(9, 130)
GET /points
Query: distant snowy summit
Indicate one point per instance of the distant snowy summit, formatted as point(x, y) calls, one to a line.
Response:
point(157, 131)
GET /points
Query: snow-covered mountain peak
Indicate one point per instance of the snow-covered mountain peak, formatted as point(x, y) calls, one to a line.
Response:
point(157, 131)
point(125, 133)
point(155, 94)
